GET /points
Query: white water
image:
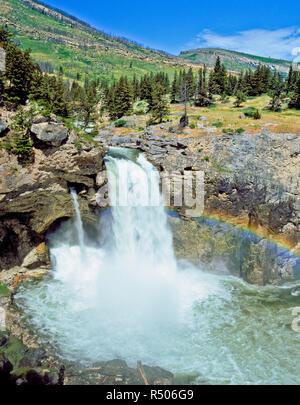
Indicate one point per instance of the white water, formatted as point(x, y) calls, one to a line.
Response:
point(78, 220)
point(131, 299)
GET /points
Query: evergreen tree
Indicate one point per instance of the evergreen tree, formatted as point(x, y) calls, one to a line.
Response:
point(87, 107)
point(160, 107)
point(135, 88)
point(294, 101)
point(184, 95)
point(5, 37)
point(120, 99)
point(189, 78)
point(174, 89)
point(218, 78)
point(240, 98)
point(291, 82)
point(202, 98)
point(19, 73)
point(146, 89)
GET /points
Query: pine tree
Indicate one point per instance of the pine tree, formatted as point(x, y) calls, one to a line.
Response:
point(291, 82)
point(5, 37)
point(120, 99)
point(135, 88)
point(146, 89)
point(174, 89)
point(218, 78)
point(240, 98)
point(184, 94)
point(202, 98)
point(189, 78)
point(294, 101)
point(160, 107)
point(19, 73)
point(59, 105)
point(88, 104)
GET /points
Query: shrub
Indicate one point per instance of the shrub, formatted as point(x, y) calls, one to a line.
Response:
point(257, 115)
point(228, 131)
point(250, 111)
point(218, 124)
point(120, 123)
point(240, 130)
point(192, 125)
point(205, 159)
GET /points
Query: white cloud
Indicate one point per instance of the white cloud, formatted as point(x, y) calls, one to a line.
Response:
point(275, 43)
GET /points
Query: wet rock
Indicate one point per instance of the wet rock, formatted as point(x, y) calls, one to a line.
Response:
point(37, 257)
point(33, 197)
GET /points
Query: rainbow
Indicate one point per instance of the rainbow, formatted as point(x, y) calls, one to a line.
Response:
point(242, 225)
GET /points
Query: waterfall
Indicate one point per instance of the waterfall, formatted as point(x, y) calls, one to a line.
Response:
point(141, 237)
point(78, 220)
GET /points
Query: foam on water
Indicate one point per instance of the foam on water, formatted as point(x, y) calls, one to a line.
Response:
point(129, 298)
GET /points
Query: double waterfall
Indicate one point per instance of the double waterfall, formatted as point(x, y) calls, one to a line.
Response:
point(121, 293)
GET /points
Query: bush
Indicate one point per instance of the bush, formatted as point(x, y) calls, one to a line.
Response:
point(257, 115)
point(205, 159)
point(218, 124)
point(228, 131)
point(120, 123)
point(240, 130)
point(192, 125)
point(249, 111)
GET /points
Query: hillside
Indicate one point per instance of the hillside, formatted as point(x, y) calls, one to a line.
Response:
point(235, 61)
point(63, 40)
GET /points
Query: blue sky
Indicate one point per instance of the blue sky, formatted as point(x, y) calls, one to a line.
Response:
point(266, 28)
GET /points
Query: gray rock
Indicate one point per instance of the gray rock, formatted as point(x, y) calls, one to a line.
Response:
point(51, 133)
point(3, 126)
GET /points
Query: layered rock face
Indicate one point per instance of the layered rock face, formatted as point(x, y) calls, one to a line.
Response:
point(33, 197)
point(255, 178)
point(251, 180)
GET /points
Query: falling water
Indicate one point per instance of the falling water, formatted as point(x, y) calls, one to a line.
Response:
point(129, 297)
point(78, 220)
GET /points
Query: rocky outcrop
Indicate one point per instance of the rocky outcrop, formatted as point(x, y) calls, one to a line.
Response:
point(3, 126)
point(221, 248)
point(252, 178)
point(52, 134)
point(38, 256)
point(33, 197)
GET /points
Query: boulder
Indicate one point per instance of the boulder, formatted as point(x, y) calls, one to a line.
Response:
point(37, 257)
point(52, 134)
point(3, 126)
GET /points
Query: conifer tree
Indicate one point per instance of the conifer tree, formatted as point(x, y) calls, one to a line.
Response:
point(160, 107)
point(174, 89)
point(135, 88)
point(294, 101)
point(202, 98)
point(240, 98)
point(120, 99)
point(184, 94)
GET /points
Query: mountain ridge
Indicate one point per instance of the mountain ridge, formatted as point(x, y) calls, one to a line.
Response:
point(63, 40)
point(234, 60)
